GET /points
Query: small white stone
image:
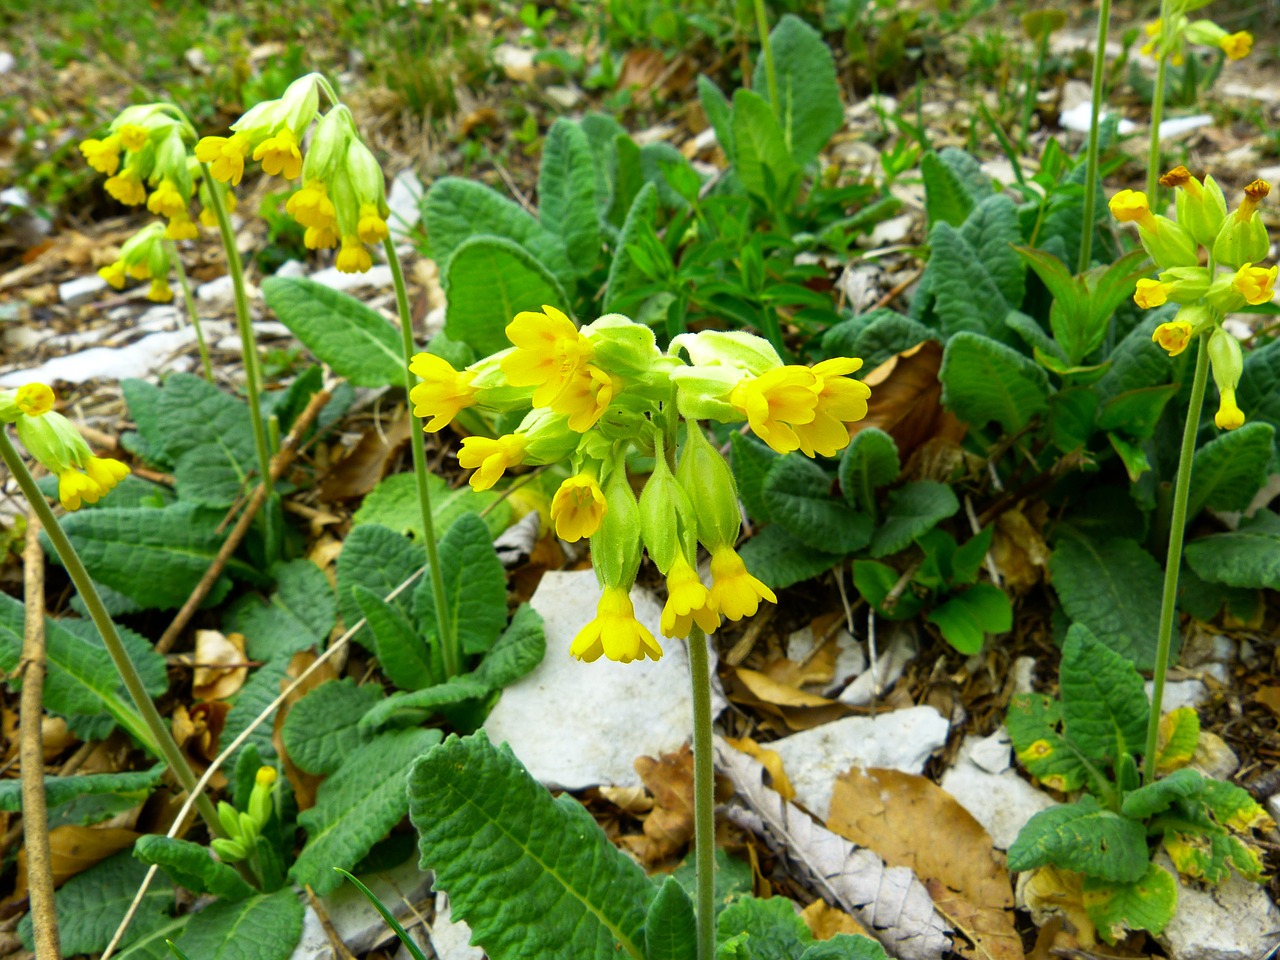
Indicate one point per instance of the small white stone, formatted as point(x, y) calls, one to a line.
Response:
point(1077, 119)
point(332, 277)
point(897, 649)
point(566, 98)
point(1024, 675)
point(291, 268)
point(196, 60)
point(1002, 802)
point(1181, 126)
point(1273, 806)
point(516, 62)
point(705, 140)
point(1234, 920)
point(405, 201)
point(901, 740)
point(81, 290)
point(888, 233)
point(219, 288)
point(356, 920)
point(992, 753)
point(1214, 758)
point(451, 939)
point(7, 61)
point(1180, 693)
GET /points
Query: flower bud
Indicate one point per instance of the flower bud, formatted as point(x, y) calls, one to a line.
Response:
point(702, 393)
point(229, 817)
point(1227, 361)
point(1223, 295)
point(328, 148)
point(626, 348)
point(260, 797)
point(228, 851)
point(54, 442)
point(1242, 237)
point(708, 482)
point(1201, 207)
point(29, 400)
point(249, 831)
point(668, 524)
point(366, 176)
point(727, 348)
point(615, 547)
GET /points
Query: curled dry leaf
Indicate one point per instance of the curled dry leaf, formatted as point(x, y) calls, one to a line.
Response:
point(73, 850)
point(889, 902)
point(220, 665)
point(825, 922)
point(798, 709)
point(1018, 549)
point(360, 470)
point(906, 400)
point(772, 762)
point(1049, 893)
point(198, 729)
point(669, 825)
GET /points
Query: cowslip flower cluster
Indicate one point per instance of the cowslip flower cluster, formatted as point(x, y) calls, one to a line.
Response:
point(243, 827)
point(342, 200)
point(144, 256)
point(1235, 243)
point(57, 445)
point(1183, 30)
point(604, 393)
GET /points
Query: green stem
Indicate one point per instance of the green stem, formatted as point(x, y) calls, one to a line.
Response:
point(1091, 158)
point(762, 25)
point(189, 301)
point(704, 800)
point(448, 639)
point(252, 370)
point(1173, 560)
point(160, 739)
point(1157, 109)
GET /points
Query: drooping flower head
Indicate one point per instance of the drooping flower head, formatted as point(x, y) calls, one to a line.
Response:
point(578, 507)
point(735, 593)
point(443, 392)
point(775, 402)
point(615, 632)
point(491, 458)
point(57, 445)
point(841, 401)
point(1173, 336)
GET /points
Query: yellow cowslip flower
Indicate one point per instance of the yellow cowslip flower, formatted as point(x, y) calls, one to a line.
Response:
point(840, 401)
point(549, 349)
point(103, 155)
point(1229, 415)
point(181, 227)
point(1151, 293)
point(114, 274)
point(777, 401)
point(371, 228)
point(320, 238)
point(1256, 284)
point(311, 206)
point(225, 156)
point(100, 477)
point(160, 291)
point(126, 186)
point(443, 391)
point(688, 602)
point(585, 397)
point(735, 593)
point(1237, 45)
point(1130, 206)
point(353, 257)
point(280, 155)
point(490, 458)
point(133, 136)
point(615, 632)
point(1173, 336)
point(34, 399)
point(166, 200)
point(578, 507)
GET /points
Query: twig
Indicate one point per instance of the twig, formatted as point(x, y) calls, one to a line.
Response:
point(35, 813)
point(896, 290)
point(234, 745)
point(900, 587)
point(279, 464)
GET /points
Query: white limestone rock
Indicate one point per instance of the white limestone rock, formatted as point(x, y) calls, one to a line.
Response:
point(1234, 920)
point(985, 783)
point(357, 922)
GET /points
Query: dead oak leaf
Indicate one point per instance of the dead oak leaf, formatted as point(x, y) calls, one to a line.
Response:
point(669, 825)
point(221, 668)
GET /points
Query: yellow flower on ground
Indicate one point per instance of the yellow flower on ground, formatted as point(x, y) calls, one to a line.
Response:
point(34, 399)
point(1229, 415)
point(133, 136)
point(114, 274)
point(1256, 284)
point(320, 238)
point(1237, 45)
point(371, 228)
point(549, 349)
point(353, 257)
point(841, 401)
point(280, 155)
point(775, 402)
point(1151, 293)
point(443, 391)
point(490, 458)
point(735, 593)
point(311, 206)
point(1173, 336)
point(126, 187)
point(160, 291)
point(225, 156)
point(615, 632)
point(586, 396)
point(688, 602)
point(103, 155)
point(578, 507)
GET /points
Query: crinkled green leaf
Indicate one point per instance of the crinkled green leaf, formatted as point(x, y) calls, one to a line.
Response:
point(1136, 412)
point(475, 586)
point(798, 494)
point(403, 652)
point(409, 708)
point(137, 786)
point(1230, 468)
point(379, 559)
point(976, 276)
point(517, 652)
point(966, 618)
point(844, 946)
point(394, 503)
point(1085, 837)
point(1147, 903)
point(761, 159)
point(751, 462)
point(567, 193)
point(624, 275)
point(1113, 588)
point(192, 412)
point(532, 876)
point(670, 931)
point(191, 865)
point(875, 337)
point(983, 380)
point(719, 113)
point(868, 463)
point(357, 806)
point(1259, 390)
point(874, 582)
point(946, 199)
point(1104, 703)
point(913, 509)
point(262, 687)
point(1247, 557)
point(774, 928)
point(262, 927)
point(300, 613)
point(321, 731)
point(1162, 794)
point(809, 108)
point(1034, 722)
point(780, 559)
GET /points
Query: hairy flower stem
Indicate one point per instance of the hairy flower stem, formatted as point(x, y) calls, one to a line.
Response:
point(1157, 110)
point(771, 75)
point(154, 733)
point(1088, 222)
point(704, 800)
point(252, 369)
point(1173, 560)
point(189, 301)
point(445, 628)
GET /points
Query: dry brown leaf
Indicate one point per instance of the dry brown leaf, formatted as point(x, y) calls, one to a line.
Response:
point(825, 922)
point(198, 730)
point(1269, 697)
point(221, 668)
point(989, 933)
point(669, 825)
point(1018, 549)
point(1050, 893)
point(630, 800)
point(304, 784)
point(360, 470)
point(912, 822)
point(641, 68)
point(772, 761)
point(73, 850)
point(779, 694)
point(906, 400)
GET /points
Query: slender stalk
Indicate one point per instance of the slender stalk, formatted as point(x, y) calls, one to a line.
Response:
point(445, 628)
point(1157, 108)
point(771, 75)
point(252, 369)
point(160, 740)
point(1091, 157)
point(1173, 560)
point(704, 800)
point(189, 301)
